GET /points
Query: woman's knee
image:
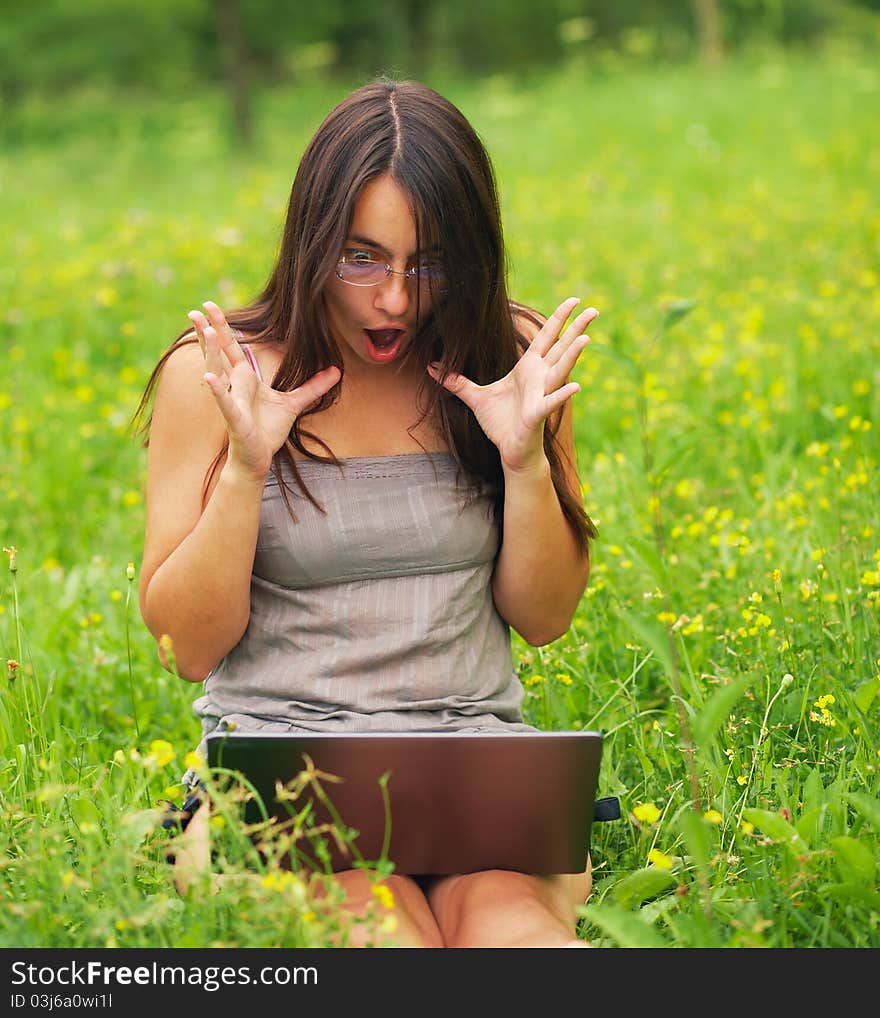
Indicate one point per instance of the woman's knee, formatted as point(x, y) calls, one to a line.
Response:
point(493, 907)
point(390, 911)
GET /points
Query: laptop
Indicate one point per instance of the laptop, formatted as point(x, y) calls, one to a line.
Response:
point(457, 802)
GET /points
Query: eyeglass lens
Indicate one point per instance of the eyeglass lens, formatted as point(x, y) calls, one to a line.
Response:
point(370, 272)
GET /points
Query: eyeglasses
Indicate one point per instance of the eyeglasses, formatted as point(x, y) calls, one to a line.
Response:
point(360, 268)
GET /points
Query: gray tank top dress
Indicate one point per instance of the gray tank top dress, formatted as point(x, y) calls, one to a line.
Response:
point(376, 615)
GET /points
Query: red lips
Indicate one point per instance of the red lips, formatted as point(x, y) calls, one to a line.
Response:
point(383, 337)
point(382, 344)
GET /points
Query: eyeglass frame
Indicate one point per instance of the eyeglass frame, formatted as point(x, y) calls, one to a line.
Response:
point(412, 274)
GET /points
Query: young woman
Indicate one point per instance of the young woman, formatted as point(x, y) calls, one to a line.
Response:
point(360, 482)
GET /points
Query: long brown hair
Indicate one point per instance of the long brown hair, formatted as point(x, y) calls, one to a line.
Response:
point(434, 155)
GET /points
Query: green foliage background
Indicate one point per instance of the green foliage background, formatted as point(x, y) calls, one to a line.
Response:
point(726, 224)
point(54, 46)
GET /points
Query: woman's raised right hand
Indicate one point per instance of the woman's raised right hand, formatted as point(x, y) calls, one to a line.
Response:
point(258, 417)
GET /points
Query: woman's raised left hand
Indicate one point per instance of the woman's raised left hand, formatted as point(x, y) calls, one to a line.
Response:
point(512, 411)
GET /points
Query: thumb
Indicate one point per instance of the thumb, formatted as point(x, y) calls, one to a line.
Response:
point(312, 389)
point(452, 381)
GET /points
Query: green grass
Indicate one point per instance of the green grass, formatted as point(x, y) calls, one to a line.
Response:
point(728, 230)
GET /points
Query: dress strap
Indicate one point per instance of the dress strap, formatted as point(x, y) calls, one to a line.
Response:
point(250, 355)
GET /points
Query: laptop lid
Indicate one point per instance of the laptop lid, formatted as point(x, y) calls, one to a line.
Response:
point(457, 802)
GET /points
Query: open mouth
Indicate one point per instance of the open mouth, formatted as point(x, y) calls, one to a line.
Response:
point(383, 344)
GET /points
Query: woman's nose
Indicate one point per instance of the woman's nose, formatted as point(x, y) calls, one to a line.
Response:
point(392, 294)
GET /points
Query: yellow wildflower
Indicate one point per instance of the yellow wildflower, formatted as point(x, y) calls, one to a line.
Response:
point(660, 859)
point(384, 895)
point(277, 880)
point(161, 753)
point(646, 813)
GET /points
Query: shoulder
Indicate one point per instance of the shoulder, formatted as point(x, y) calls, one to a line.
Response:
point(181, 370)
point(184, 404)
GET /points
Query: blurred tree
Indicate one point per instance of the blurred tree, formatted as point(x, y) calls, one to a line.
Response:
point(498, 35)
point(781, 21)
point(708, 31)
point(234, 49)
point(50, 47)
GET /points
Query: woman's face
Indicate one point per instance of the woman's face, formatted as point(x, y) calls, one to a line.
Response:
point(374, 325)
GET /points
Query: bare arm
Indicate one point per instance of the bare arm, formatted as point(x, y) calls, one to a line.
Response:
point(540, 574)
point(195, 579)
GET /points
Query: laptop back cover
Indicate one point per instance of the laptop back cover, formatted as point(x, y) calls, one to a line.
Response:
point(459, 802)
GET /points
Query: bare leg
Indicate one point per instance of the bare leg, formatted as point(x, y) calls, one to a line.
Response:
point(409, 923)
point(499, 908)
point(192, 854)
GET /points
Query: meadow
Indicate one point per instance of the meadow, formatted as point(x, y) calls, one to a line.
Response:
point(727, 227)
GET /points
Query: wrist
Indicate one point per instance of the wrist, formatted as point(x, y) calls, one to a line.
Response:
point(537, 468)
point(236, 475)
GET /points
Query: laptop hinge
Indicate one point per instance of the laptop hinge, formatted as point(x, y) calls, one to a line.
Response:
point(607, 809)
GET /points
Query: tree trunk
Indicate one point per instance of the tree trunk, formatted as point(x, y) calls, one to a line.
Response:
point(234, 51)
point(708, 19)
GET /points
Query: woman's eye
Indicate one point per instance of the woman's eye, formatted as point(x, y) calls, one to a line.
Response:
point(431, 270)
point(363, 257)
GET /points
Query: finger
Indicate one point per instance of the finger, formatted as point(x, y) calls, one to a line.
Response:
point(570, 335)
point(556, 399)
point(228, 342)
point(303, 396)
point(560, 371)
point(198, 322)
point(221, 390)
point(553, 326)
point(215, 359)
point(455, 383)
